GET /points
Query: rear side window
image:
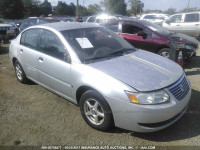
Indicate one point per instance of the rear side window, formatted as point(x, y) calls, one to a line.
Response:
point(150, 17)
point(51, 45)
point(192, 17)
point(131, 29)
point(30, 38)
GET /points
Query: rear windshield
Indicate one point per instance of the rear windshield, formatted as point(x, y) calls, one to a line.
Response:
point(156, 28)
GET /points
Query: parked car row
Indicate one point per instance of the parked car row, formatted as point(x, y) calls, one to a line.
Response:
point(154, 38)
point(7, 31)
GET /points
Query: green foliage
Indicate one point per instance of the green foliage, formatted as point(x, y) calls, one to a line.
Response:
point(12, 9)
point(190, 9)
point(45, 8)
point(170, 11)
point(153, 11)
point(117, 7)
point(136, 7)
point(64, 9)
point(94, 9)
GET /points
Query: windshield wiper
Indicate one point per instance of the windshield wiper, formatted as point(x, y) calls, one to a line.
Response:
point(121, 51)
point(118, 52)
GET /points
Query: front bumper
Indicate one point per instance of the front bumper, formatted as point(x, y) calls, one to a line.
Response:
point(148, 118)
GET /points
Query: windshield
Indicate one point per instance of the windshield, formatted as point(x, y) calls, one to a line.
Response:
point(160, 30)
point(94, 43)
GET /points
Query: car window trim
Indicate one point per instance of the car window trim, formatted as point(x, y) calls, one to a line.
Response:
point(25, 32)
point(39, 48)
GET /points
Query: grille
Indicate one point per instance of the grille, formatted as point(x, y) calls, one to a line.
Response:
point(180, 88)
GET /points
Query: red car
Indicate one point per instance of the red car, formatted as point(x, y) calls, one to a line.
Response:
point(151, 37)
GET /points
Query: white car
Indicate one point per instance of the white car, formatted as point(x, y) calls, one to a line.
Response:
point(154, 18)
point(7, 31)
point(186, 23)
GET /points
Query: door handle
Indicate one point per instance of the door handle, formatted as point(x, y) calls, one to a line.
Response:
point(177, 25)
point(40, 59)
point(21, 50)
point(196, 24)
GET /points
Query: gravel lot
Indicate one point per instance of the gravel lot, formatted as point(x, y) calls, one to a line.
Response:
point(33, 116)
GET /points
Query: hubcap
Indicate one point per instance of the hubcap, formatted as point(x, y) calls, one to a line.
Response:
point(18, 71)
point(94, 111)
point(165, 54)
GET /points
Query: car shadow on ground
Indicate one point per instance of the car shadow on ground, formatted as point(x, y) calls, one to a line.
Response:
point(4, 50)
point(186, 127)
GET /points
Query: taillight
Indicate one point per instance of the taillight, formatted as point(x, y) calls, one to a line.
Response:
point(180, 58)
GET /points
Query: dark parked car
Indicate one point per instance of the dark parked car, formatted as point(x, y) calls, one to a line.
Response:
point(35, 21)
point(151, 37)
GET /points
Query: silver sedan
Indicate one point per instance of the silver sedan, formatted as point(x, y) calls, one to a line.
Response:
point(114, 83)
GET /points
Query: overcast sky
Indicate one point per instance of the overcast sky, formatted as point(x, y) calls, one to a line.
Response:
point(148, 4)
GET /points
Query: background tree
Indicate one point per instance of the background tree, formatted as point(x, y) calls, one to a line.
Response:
point(64, 9)
point(136, 7)
point(117, 7)
point(31, 8)
point(45, 8)
point(190, 9)
point(152, 11)
point(12, 9)
point(94, 9)
point(170, 11)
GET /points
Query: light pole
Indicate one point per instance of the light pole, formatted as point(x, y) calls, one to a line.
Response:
point(188, 4)
point(77, 10)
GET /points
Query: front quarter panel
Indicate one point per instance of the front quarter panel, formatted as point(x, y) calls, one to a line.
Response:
point(107, 86)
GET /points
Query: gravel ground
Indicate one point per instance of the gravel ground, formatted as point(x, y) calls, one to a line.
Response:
point(33, 116)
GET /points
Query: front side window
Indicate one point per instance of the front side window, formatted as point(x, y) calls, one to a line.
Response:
point(175, 19)
point(51, 45)
point(192, 17)
point(95, 43)
point(131, 29)
point(30, 38)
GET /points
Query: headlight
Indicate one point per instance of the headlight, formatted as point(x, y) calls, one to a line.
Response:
point(148, 98)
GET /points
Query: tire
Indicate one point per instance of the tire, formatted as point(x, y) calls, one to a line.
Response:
point(21, 77)
point(164, 52)
point(95, 111)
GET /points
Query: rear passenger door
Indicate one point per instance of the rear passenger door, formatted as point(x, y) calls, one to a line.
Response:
point(191, 25)
point(27, 52)
point(53, 70)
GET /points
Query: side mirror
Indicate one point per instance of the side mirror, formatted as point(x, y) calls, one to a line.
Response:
point(167, 22)
point(67, 58)
point(143, 34)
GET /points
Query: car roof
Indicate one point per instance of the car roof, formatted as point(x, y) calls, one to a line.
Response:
point(61, 26)
point(193, 12)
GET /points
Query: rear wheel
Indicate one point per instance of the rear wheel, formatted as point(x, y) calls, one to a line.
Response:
point(96, 111)
point(164, 52)
point(21, 77)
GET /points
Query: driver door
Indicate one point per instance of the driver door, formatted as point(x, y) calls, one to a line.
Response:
point(53, 70)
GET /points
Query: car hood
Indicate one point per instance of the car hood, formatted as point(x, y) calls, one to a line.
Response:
point(187, 39)
point(141, 70)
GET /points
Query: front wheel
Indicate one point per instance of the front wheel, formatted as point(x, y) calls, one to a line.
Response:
point(164, 52)
point(96, 111)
